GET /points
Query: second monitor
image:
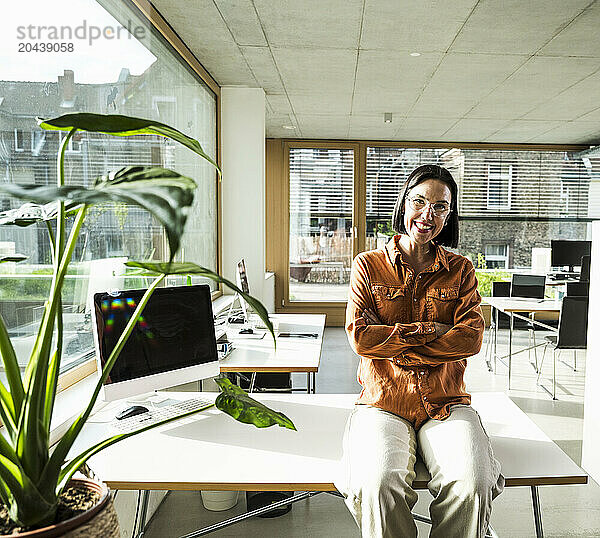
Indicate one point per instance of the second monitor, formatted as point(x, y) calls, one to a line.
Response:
point(569, 253)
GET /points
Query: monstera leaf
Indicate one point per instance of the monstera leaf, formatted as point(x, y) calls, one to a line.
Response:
point(164, 193)
point(236, 403)
point(117, 125)
point(193, 269)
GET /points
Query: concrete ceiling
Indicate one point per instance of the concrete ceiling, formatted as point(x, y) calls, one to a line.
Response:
point(488, 71)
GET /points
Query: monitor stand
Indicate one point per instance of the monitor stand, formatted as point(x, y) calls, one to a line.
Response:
point(244, 315)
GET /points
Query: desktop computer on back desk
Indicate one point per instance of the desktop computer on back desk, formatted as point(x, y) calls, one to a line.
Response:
point(249, 324)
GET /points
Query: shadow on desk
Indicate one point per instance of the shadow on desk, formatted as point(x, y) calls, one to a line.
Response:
point(330, 430)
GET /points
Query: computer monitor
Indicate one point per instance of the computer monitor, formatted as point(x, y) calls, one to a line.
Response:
point(172, 343)
point(569, 253)
point(241, 278)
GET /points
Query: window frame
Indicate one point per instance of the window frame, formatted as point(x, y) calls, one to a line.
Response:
point(277, 205)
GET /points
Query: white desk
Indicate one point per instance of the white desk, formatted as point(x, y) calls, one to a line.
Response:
point(293, 354)
point(211, 451)
point(515, 307)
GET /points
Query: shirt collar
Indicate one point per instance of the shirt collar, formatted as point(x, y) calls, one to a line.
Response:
point(395, 254)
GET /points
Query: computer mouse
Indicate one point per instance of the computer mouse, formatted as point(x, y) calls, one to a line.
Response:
point(246, 331)
point(132, 412)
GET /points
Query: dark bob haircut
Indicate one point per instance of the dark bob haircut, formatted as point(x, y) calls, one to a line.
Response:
point(449, 234)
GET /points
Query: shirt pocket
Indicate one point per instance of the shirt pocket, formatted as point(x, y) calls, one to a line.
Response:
point(441, 304)
point(390, 302)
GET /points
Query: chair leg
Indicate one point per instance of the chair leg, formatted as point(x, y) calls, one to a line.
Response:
point(554, 375)
point(541, 364)
point(535, 350)
point(488, 347)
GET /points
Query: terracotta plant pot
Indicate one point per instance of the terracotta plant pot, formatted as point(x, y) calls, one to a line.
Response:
point(99, 521)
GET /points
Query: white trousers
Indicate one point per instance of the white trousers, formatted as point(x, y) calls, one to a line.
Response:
point(380, 450)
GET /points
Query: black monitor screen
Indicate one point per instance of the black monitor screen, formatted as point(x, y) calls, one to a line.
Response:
point(569, 252)
point(175, 330)
point(243, 277)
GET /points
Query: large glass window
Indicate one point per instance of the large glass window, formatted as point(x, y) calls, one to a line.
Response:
point(320, 241)
point(511, 202)
point(125, 69)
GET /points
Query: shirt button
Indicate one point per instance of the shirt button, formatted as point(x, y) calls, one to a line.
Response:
point(415, 299)
point(424, 398)
point(420, 276)
point(422, 372)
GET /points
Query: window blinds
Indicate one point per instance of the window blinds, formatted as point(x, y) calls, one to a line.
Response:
point(321, 182)
point(492, 183)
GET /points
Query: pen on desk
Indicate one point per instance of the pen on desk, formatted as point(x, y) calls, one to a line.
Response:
point(298, 335)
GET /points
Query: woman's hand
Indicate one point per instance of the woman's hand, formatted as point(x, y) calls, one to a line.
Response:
point(441, 328)
point(370, 317)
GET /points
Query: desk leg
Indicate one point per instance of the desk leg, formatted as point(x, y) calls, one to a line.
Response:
point(308, 382)
point(252, 382)
point(537, 513)
point(495, 338)
point(141, 516)
point(312, 382)
point(510, 333)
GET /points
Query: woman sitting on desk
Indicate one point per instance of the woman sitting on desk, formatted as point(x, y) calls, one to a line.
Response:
point(413, 316)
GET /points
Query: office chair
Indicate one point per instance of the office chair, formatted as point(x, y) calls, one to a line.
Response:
point(533, 286)
point(584, 276)
point(578, 289)
point(572, 334)
point(499, 289)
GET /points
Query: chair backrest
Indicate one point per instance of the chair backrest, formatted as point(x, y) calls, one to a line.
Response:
point(581, 289)
point(528, 286)
point(500, 289)
point(572, 325)
point(585, 268)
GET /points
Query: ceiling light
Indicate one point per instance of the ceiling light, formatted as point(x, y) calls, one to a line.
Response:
point(415, 54)
point(387, 117)
point(290, 127)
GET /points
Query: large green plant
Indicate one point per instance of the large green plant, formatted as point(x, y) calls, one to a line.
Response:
point(31, 475)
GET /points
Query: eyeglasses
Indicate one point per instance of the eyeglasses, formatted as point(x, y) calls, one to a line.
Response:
point(419, 203)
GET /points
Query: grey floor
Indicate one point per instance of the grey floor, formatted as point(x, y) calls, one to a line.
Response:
point(566, 510)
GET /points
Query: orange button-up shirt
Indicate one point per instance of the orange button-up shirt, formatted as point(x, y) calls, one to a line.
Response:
point(403, 367)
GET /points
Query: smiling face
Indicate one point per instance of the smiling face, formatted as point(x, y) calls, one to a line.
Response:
point(423, 225)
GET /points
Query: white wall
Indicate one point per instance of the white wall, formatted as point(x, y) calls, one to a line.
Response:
point(243, 186)
point(590, 459)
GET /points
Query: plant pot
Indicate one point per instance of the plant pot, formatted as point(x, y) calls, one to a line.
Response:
point(99, 521)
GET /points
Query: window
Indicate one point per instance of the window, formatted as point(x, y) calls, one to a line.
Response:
point(320, 240)
point(135, 76)
point(74, 145)
point(496, 256)
point(38, 137)
point(499, 186)
point(19, 140)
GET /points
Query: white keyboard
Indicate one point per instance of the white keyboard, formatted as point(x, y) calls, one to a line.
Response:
point(158, 414)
